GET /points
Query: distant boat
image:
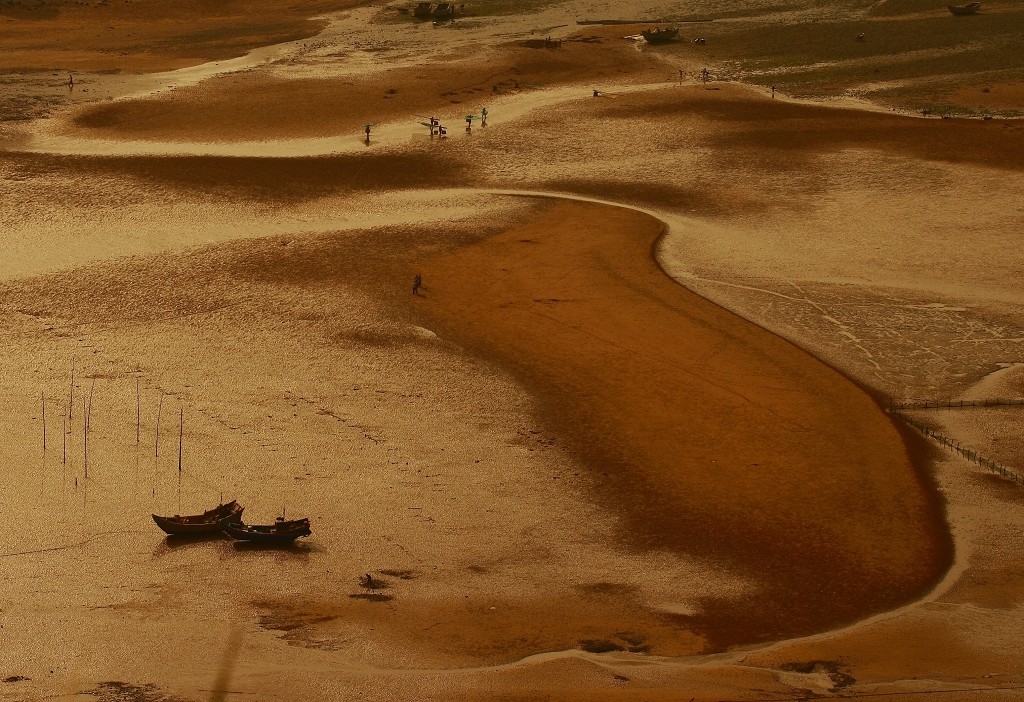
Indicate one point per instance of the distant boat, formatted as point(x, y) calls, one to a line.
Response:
point(208, 522)
point(444, 10)
point(422, 10)
point(281, 531)
point(659, 36)
point(968, 9)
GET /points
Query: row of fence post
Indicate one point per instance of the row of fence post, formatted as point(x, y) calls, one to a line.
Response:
point(966, 452)
point(941, 404)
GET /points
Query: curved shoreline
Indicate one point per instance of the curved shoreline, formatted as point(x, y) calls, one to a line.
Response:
point(948, 619)
point(651, 254)
point(803, 589)
point(732, 659)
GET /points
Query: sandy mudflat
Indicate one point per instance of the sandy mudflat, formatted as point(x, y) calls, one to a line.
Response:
point(610, 452)
point(693, 416)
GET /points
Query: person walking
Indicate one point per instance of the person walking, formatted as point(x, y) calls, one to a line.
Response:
point(417, 282)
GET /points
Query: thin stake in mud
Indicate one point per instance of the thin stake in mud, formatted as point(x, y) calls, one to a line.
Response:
point(64, 433)
point(71, 396)
point(138, 413)
point(156, 450)
point(87, 422)
point(85, 435)
point(42, 394)
point(181, 433)
point(159, 409)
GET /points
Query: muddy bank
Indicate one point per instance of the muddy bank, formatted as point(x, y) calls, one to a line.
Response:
point(706, 433)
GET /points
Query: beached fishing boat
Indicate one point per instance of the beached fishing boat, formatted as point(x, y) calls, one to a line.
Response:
point(444, 10)
point(968, 9)
point(208, 522)
point(659, 36)
point(423, 10)
point(281, 531)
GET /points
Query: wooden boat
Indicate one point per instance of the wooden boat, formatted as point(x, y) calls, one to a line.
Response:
point(444, 10)
point(968, 9)
point(281, 531)
point(208, 522)
point(659, 36)
point(422, 10)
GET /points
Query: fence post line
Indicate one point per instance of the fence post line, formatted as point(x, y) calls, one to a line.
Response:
point(971, 455)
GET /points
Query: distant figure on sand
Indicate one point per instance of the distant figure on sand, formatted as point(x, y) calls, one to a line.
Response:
point(417, 282)
point(367, 128)
point(483, 117)
point(773, 91)
point(71, 81)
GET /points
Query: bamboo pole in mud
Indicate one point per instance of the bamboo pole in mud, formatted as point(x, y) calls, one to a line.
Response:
point(156, 449)
point(159, 409)
point(85, 436)
point(87, 422)
point(92, 390)
point(181, 433)
point(138, 412)
point(71, 396)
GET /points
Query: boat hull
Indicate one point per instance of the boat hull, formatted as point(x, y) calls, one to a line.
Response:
point(660, 36)
point(278, 533)
point(206, 523)
point(968, 9)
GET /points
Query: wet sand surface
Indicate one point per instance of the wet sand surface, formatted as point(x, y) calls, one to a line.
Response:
point(720, 415)
point(569, 476)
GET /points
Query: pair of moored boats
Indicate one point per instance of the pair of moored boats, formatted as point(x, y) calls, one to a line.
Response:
point(227, 519)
